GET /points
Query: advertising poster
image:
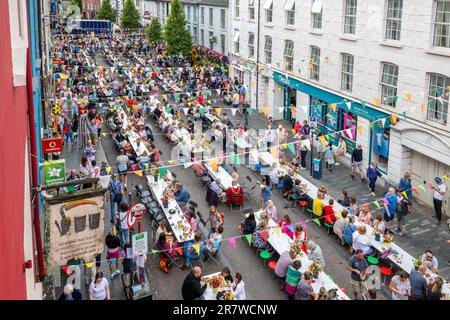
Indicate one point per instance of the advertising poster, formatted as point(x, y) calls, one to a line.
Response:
point(76, 230)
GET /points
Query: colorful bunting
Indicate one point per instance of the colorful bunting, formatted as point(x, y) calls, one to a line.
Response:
point(197, 248)
point(316, 221)
point(292, 148)
point(233, 243)
point(249, 238)
point(162, 171)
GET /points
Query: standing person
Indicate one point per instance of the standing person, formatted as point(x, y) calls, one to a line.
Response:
point(122, 162)
point(115, 191)
point(99, 288)
point(124, 231)
point(359, 268)
point(75, 127)
point(266, 191)
point(418, 283)
point(235, 101)
point(99, 121)
point(372, 174)
point(68, 131)
point(341, 150)
point(315, 253)
point(238, 287)
point(402, 215)
point(329, 156)
point(406, 185)
point(93, 130)
point(357, 162)
point(269, 136)
point(438, 197)
point(400, 286)
point(112, 241)
point(390, 205)
point(292, 278)
point(303, 152)
point(70, 294)
point(192, 288)
point(90, 150)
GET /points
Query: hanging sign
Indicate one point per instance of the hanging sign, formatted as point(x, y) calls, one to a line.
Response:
point(51, 145)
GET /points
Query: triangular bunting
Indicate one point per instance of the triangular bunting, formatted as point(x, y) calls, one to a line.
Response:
point(316, 221)
point(179, 250)
point(291, 147)
point(249, 238)
point(138, 173)
point(162, 171)
point(377, 204)
point(264, 236)
point(233, 243)
point(197, 248)
point(277, 231)
point(233, 111)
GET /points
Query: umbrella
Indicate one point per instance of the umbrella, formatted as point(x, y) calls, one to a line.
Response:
point(61, 76)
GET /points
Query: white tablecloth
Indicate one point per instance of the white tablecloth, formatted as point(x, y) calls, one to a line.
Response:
point(138, 150)
point(282, 243)
point(174, 219)
point(225, 178)
point(266, 158)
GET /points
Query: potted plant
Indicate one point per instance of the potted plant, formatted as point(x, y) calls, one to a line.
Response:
point(215, 282)
point(315, 268)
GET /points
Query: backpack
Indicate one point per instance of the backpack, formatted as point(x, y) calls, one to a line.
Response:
point(163, 265)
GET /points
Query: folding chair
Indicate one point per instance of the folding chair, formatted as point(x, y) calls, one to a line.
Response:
point(199, 259)
point(236, 200)
point(216, 256)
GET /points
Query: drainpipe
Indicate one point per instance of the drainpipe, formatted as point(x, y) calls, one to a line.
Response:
point(257, 55)
point(34, 166)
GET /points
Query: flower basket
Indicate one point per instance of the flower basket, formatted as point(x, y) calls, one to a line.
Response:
point(315, 268)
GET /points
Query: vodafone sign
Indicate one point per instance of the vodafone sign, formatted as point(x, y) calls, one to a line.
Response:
point(51, 145)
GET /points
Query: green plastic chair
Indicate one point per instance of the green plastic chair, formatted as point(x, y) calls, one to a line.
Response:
point(265, 255)
point(310, 213)
point(330, 276)
point(329, 227)
point(372, 260)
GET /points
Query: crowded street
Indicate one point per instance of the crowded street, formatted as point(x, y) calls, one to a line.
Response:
point(163, 179)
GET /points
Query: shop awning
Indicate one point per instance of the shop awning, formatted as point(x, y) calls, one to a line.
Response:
point(317, 6)
point(236, 36)
point(289, 5)
point(268, 4)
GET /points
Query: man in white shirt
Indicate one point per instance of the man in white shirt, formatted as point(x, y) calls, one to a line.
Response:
point(439, 192)
point(270, 136)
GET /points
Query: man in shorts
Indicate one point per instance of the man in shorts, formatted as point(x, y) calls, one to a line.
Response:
point(359, 268)
point(357, 162)
point(122, 167)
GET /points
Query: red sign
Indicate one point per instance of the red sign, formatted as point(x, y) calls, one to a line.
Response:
point(138, 210)
point(51, 145)
point(131, 220)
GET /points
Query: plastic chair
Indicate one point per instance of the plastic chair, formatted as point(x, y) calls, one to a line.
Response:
point(310, 213)
point(329, 227)
point(265, 255)
point(272, 264)
point(372, 260)
point(236, 200)
point(386, 272)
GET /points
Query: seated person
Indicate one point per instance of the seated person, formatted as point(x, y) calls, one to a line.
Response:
point(199, 169)
point(167, 245)
point(362, 241)
point(258, 239)
point(248, 225)
point(181, 194)
point(288, 183)
point(318, 205)
point(271, 210)
point(235, 191)
point(190, 252)
point(190, 217)
point(212, 245)
point(328, 211)
point(143, 159)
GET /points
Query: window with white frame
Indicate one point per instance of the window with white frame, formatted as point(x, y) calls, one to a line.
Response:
point(268, 49)
point(222, 18)
point(202, 15)
point(314, 63)
point(211, 17)
point(251, 45)
point(389, 79)
point(438, 98)
point(211, 42)
point(236, 41)
point(394, 19)
point(350, 10)
point(251, 10)
point(268, 9)
point(442, 25)
point(236, 9)
point(188, 13)
point(195, 15)
point(202, 36)
point(195, 32)
point(222, 44)
point(19, 40)
point(316, 14)
point(347, 72)
point(289, 55)
point(289, 9)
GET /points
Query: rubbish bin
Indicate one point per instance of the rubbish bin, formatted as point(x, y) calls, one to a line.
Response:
point(317, 169)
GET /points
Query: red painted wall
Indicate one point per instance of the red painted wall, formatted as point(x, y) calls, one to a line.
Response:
point(13, 134)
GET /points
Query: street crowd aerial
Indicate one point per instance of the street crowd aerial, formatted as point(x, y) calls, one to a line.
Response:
point(150, 140)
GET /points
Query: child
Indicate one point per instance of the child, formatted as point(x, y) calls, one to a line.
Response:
point(328, 210)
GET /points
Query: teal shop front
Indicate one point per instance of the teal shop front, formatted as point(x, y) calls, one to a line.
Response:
point(334, 114)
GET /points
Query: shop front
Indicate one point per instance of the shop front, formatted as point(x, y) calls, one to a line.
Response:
point(335, 117)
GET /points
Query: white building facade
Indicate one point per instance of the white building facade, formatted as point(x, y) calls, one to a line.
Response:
point(347, 64)
point(207, 20)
